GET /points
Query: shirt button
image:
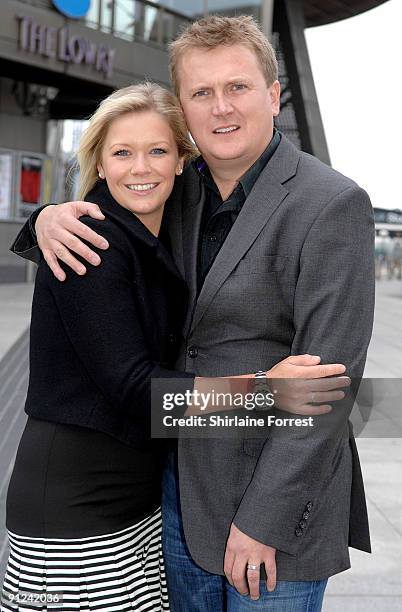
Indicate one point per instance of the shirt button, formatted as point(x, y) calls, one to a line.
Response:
point(302, 524)
point(172, 338)
point(192, 352)
point(298, 532)
point(309, 506)
point(212, 238)
point(306, 514)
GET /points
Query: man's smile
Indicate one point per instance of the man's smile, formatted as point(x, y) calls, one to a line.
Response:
point(226, 129)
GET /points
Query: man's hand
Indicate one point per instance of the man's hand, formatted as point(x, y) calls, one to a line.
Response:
point(243, 552)
point(57, 228)
point(300, 380)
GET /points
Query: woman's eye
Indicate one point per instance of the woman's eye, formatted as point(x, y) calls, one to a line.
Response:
point(158, 151)
point(121, 153)
point(200, 93)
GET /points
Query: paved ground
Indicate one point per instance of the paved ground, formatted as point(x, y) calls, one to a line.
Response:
point(374, 584)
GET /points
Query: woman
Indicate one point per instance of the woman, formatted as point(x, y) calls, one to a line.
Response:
point(83, 503)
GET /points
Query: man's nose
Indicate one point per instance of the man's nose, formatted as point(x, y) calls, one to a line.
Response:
point(222, 105)
point(140, 165)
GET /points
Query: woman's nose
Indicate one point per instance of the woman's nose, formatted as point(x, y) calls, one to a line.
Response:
point(140, 165)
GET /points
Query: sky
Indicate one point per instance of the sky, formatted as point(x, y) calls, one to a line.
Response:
point(356, 66)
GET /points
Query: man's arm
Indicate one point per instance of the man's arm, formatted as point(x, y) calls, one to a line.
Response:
point(333, 317)
point(56, 231)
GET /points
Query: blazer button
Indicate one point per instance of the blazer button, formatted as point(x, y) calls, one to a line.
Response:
point(309, 506)
point(302, 524)
point(306, 514)
point(298, 532)
point(172, 338)
point(192, 352)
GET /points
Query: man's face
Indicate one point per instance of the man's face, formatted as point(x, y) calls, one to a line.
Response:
point(228, 107)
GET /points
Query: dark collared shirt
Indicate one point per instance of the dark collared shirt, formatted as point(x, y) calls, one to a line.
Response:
point(219, 215)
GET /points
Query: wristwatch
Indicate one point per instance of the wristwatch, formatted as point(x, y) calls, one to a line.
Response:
point(261, 386)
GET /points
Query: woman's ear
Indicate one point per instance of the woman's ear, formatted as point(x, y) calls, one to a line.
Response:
point(179, 167)
point(101, 174)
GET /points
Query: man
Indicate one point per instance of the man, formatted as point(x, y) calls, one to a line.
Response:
point(277, 249)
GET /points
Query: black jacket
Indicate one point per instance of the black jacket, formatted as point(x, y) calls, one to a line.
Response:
point(97, 340)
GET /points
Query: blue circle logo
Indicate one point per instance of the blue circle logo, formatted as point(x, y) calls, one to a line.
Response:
point(73, 8)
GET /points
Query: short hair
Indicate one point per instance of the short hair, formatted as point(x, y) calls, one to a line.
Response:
point(216, 30)
point(135, 98)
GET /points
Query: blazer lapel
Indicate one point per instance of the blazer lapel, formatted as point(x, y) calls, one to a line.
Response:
point(192, 216)
point(265, 197)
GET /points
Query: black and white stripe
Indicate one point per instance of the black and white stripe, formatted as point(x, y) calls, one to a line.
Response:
point(113, 572)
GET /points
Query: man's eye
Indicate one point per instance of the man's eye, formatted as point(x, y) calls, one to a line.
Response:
point(121, 153)
point(158, 151)
point(200, 93)
point(238, 86)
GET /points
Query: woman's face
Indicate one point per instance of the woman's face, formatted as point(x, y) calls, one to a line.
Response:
point(139, 160)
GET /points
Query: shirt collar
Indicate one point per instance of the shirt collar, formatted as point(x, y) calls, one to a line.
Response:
point(250, 176)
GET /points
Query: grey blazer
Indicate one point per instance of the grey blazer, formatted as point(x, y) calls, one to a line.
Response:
point(295, 275)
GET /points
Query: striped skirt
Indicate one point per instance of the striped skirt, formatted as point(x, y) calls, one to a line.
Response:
point(114, 572)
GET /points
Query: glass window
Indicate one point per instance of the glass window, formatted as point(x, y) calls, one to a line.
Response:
point(31, 171)
point(6, 184)
point(124, 18)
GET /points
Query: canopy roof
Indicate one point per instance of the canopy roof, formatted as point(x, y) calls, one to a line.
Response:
point(321, 12)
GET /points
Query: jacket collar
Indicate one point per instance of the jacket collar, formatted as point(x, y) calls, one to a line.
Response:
point(101, 195)
point(131, 225)
point(267, 194)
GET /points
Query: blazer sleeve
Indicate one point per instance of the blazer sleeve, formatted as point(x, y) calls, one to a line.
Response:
point(101, 319)
point(333, 318)
point(25, 244)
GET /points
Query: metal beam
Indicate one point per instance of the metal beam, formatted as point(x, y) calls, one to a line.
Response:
point(289, 20)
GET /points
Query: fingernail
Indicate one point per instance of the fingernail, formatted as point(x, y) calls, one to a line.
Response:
point(81, 271)
point(104, 244)
point(95, 260)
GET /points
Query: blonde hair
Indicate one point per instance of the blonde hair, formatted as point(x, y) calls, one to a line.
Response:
point(135, 98)
point(217, 30)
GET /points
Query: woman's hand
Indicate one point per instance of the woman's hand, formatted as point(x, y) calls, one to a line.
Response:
point(57, 228)
point(301, 380)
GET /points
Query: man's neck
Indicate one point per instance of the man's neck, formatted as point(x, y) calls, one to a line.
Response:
point(227, 173)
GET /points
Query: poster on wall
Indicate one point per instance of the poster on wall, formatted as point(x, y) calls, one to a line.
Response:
point(6, 166)
point(30, 185)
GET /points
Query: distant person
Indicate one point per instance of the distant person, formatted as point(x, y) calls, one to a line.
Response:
point(277, 250)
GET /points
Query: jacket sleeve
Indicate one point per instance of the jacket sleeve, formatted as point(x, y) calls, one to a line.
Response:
point(100, 316)
point(26, 245)
point(333, 317)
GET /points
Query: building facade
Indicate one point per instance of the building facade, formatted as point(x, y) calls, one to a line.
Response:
point(59, 58)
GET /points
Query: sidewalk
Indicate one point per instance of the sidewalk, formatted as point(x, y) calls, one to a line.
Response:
point(15, 312)
point(374, 584)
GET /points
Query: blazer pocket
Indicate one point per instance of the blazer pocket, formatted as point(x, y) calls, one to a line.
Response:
point(266, 264)
point(253, 446)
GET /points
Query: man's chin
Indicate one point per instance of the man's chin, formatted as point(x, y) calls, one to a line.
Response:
point(228, 155)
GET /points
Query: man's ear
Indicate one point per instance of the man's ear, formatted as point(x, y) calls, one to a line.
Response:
point(275, 93)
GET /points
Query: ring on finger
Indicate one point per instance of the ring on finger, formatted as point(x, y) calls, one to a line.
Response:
point(253, 568)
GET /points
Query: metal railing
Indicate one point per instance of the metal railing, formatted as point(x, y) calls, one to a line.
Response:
point(139, 20)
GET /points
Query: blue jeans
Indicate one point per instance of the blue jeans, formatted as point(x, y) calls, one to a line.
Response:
point(192, 589)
